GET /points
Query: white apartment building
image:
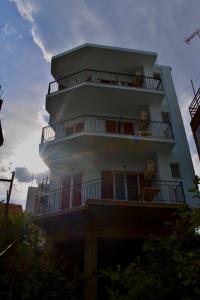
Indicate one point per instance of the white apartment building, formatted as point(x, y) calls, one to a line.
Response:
point(114, 117)
point(117, 151)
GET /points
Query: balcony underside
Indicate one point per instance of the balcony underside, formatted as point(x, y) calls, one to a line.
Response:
point(110, 218)
point(91, 98)
point(102, 146)
point(112, 59)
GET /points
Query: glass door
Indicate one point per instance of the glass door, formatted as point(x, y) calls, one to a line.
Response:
point(126, 186)
point(132, 187)
point(120, 186)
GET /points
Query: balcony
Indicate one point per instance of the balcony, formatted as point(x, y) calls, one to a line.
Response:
point(1, 135)
point(107, 126)
point(151, 191)
point(106, 78)
point(194, 106)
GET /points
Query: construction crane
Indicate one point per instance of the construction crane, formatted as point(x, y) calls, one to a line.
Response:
point(188, 40)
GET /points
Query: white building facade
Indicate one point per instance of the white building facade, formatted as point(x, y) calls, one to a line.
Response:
point(115, 130)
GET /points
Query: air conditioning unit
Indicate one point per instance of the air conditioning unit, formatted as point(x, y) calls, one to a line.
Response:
point(144, 116)
point(150, 169)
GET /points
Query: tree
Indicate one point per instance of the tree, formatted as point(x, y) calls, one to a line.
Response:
point(29, 271)
point(195, 188)
point(168, 267)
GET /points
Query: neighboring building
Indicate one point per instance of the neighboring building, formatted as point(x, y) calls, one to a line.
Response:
point(31, 200)
point(118, 154)
point(1, 133)
point(13, 208)
point(194, 109)
point(33, 195)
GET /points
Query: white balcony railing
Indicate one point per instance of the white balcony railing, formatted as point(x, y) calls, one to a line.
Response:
point(108, 78)
point(155, 191)
point(108, 126)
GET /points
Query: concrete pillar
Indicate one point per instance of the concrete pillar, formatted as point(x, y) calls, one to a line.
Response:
point(90, 267)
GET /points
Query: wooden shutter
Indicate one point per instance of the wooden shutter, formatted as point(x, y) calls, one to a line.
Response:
point(107, 185)
point(77, 188)
point(79, 127)
point(70, 130)
point(111, 126)
point(65, 197)
point(128, 128)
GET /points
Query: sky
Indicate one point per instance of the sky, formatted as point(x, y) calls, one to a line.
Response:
point(31, 31)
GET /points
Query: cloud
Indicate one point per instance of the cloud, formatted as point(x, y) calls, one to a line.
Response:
point(22, 124)
point(145, 25)
point(70, 24)
point(8, 29)
point(28, 9)
point(22, 174)
point(39, 42)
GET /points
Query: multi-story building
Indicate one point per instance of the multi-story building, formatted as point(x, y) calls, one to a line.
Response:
point(118, 155)
point(31, 200)
point(33, 195)
point(194, 109)
point(1, 134)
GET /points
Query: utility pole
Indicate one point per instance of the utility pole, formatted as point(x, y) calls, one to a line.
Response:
point(8, 194)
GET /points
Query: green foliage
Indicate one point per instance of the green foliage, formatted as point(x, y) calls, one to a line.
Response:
point(28, 271)
point(195, 188)
point(168, 268)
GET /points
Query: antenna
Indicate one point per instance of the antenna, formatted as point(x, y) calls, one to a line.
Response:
point(196, 33)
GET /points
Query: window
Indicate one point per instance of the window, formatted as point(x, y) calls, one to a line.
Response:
point(175, 170)
point(165, 117)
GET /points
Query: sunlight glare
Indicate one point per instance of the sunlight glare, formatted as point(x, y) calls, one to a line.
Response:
point(27, 155)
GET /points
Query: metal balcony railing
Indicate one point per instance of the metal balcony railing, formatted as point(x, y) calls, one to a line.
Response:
point(109, 78)
point(194, 106)
point(154, 191)
point(107, 125)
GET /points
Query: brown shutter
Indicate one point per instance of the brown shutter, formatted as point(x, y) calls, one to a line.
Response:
point(65, 197)
point(79, 127)
point(107, 185)
point(70, 130)
point(77, 187)
point(128, 128)
point(111, 126)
